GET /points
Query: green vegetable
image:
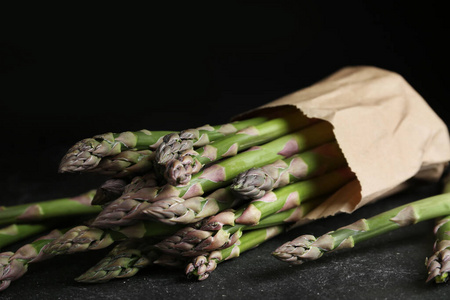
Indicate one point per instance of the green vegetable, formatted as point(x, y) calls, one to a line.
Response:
point(202, 266)
point(127, 208)
point(307, 247)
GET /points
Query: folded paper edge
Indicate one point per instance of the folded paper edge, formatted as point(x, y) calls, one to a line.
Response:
point(430, 171)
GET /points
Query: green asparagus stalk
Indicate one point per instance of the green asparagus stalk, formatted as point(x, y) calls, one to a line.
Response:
point(217, 175)
point(87, 153)
point(281, 199)
point(84, 238)
point(438, 264)
point(256, 182)
point(16, 232)
point(202, 266)
point(125, 164)
point(126, 259)
point(307, 247)
point(14, 265)
point(44, 210)
point(193, 241)
point(176, 210)
point(301, 166)
point(180, 168)
point(175, 143)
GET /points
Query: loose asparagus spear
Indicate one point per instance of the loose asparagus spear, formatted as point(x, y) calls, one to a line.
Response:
point(126, 259)
point(84, 238)
point(14, 265)
point(439, 264)
point(307, 247)
point(180, 168)
point(217, 175)
point(202, 266)
point(256, 182)
point(87, 153)
point(193, 241)
point(175, 143)
point(62, 207)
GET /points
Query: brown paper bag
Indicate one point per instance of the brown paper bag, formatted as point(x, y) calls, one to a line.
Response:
point(385, 129)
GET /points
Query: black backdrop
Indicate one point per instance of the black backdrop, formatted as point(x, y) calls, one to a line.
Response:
point(70, 72)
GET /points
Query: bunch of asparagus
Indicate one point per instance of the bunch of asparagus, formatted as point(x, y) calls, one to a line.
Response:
point(176, 197)
point(195, 198)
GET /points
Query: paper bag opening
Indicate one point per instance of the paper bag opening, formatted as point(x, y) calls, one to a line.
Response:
point(386, 130)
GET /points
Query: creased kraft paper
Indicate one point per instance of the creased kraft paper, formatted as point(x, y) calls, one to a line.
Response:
point(385, 129)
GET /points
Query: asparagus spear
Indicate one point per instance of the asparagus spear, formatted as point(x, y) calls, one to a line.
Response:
point(176, 210)
point(87, 153)
point(125, 210)
point(308, 247)
point(256, 182)
point(126, 163)
point(301, 166)
point(175, 143)
point(14, 265)
point(217, 175)
point(44, 210)
point(180, 168)
point(193, 241)
point(84, 238)
point(202, 266)
point(126, 259)
point(280, 199)
point(17, 232)
point(110, 190)
point(438, 264)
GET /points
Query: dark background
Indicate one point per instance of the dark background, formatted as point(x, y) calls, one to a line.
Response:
point(70, 72)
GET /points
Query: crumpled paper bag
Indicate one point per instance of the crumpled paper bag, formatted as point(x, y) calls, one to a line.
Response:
point(385, 129)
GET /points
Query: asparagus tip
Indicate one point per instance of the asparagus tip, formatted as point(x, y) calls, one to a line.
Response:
point(298, 251)
point(200, 268)
point(438, 266)
point(80, 157)
point(10, 269)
